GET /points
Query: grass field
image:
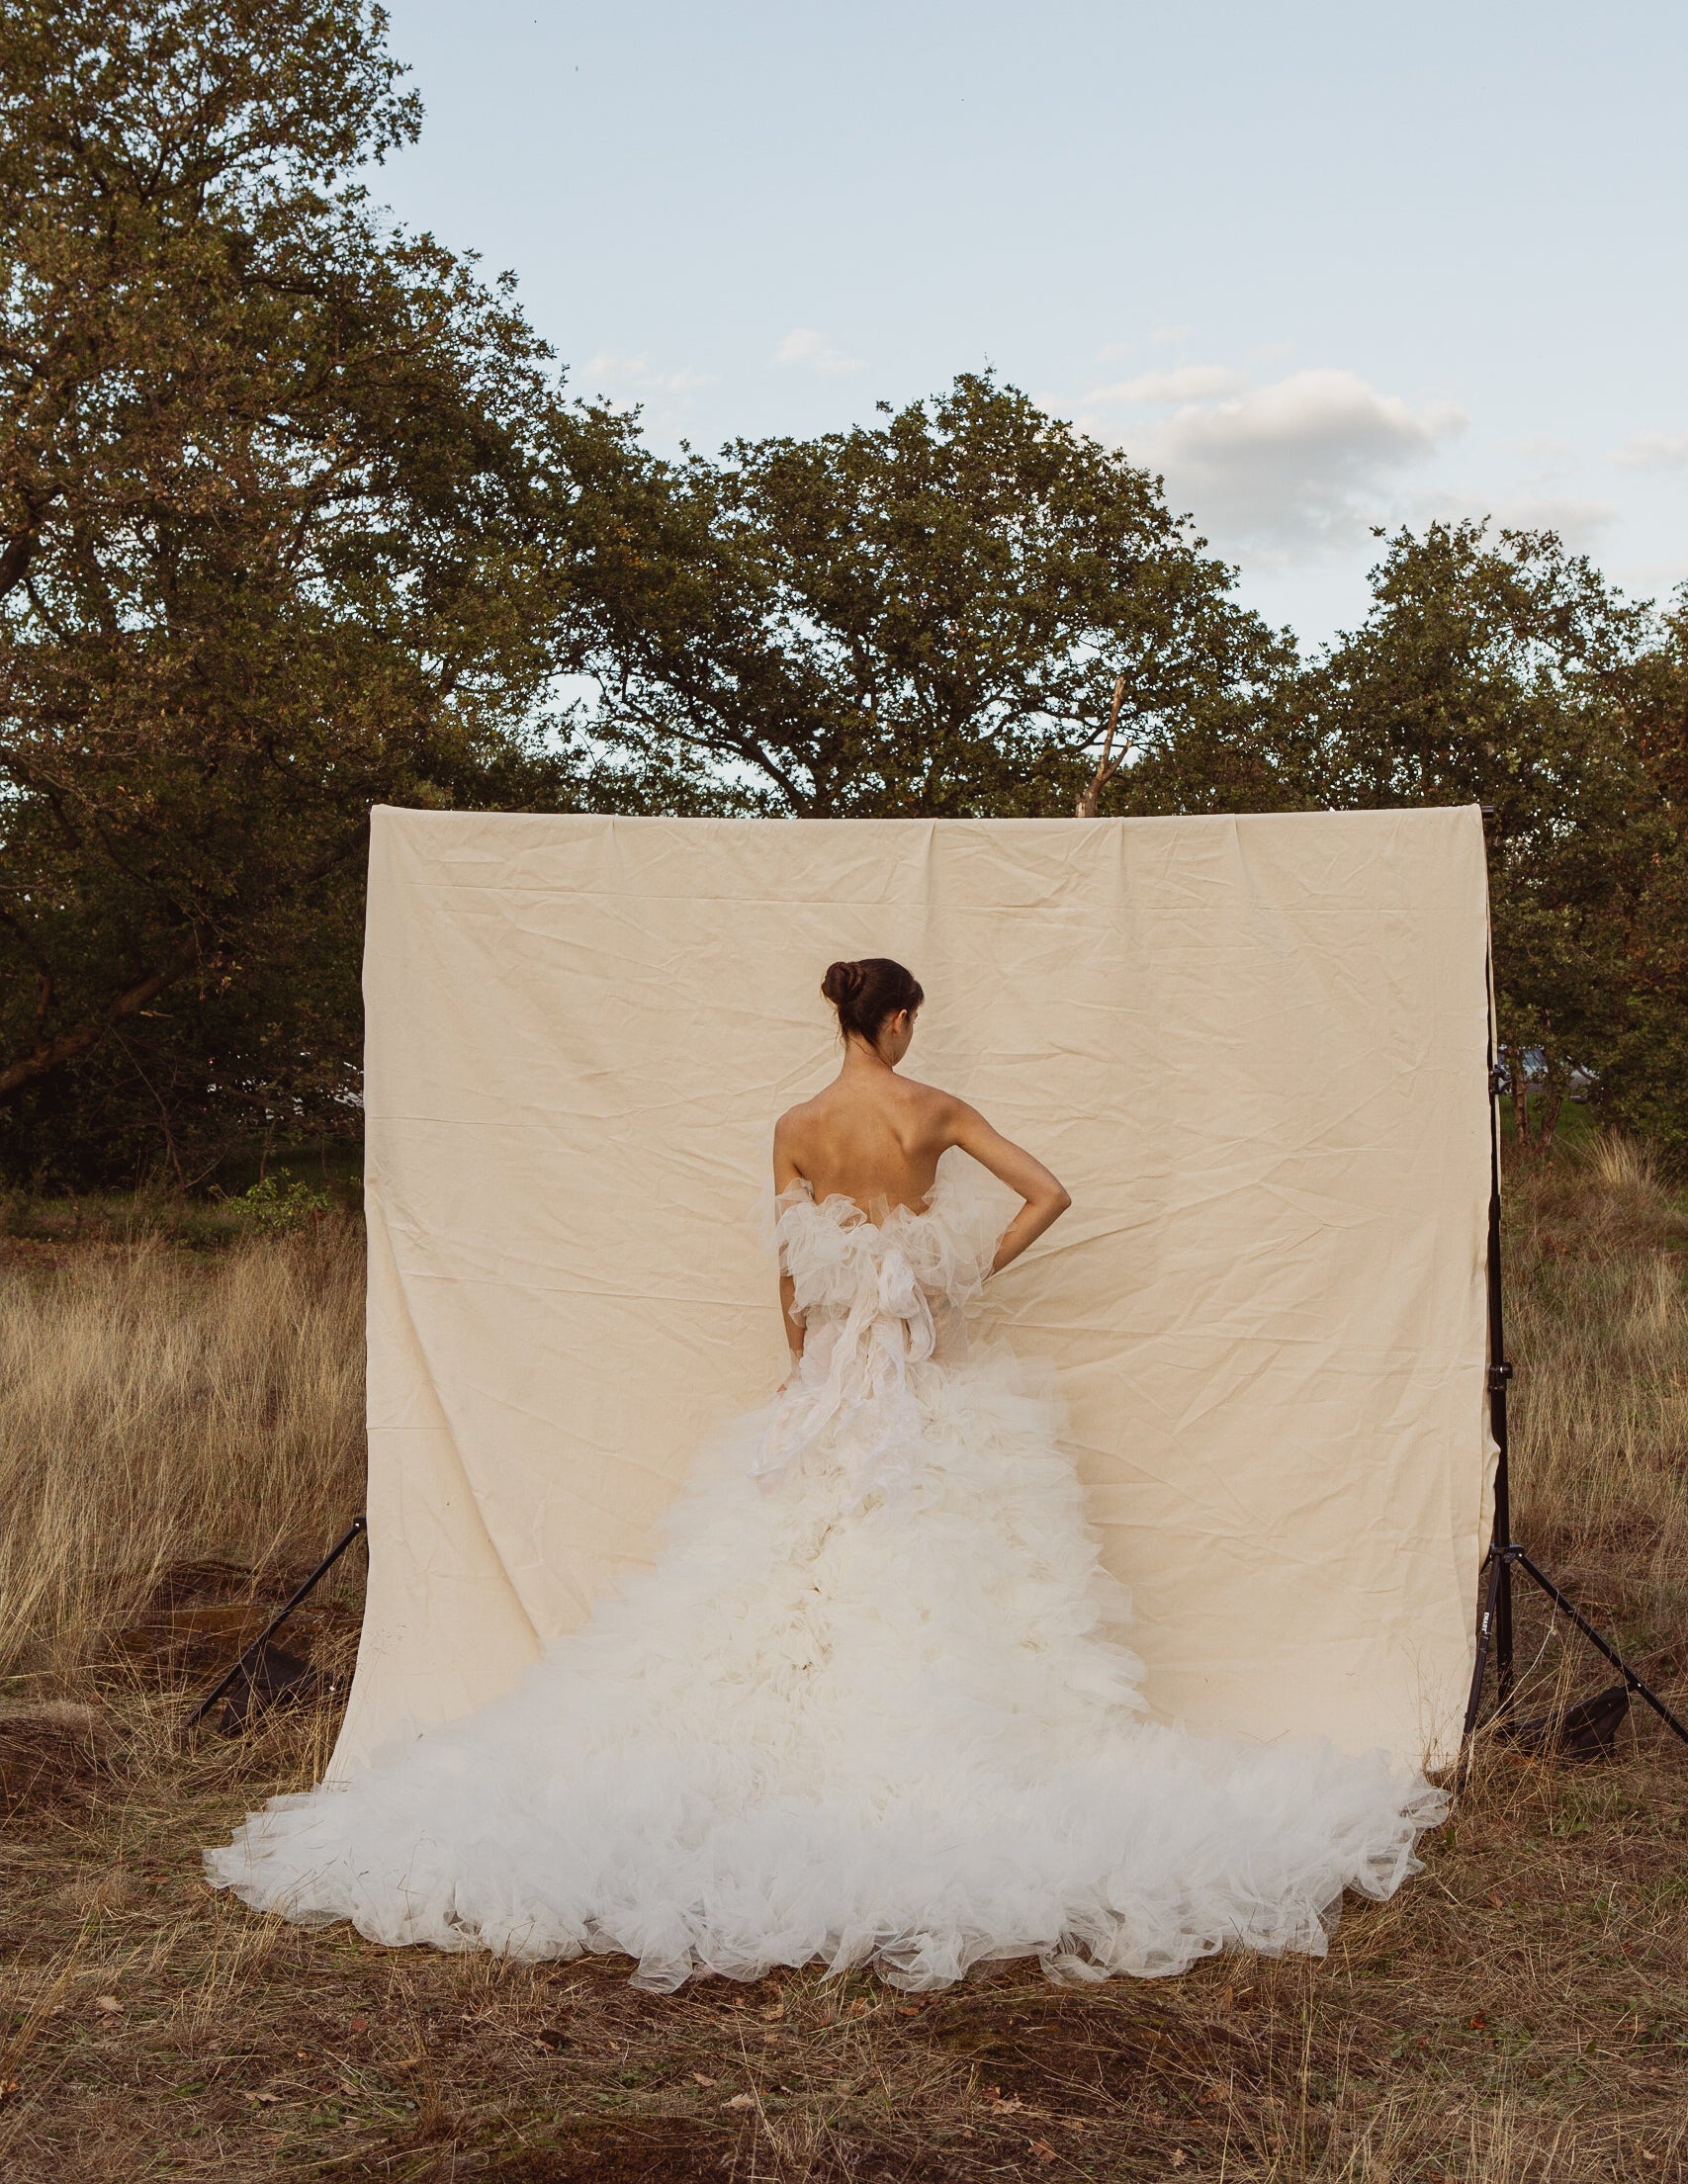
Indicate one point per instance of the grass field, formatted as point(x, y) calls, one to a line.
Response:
point(181, 1435)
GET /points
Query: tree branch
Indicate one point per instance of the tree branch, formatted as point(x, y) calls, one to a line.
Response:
point(15, 559)
point(49, 1053)
point(1090, 801)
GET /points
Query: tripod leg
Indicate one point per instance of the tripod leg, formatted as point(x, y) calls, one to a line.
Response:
point(1631, 1679)
point(358, 1526)
point(1499, 1373)
point(1501, 1595)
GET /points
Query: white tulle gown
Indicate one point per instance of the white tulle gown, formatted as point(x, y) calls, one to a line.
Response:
point(864, 1710)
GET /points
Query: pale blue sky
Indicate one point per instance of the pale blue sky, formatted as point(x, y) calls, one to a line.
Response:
point(1322, 264)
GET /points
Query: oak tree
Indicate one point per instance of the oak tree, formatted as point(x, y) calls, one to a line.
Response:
point(1506, 671)
point(289, 518)
point(927, 615)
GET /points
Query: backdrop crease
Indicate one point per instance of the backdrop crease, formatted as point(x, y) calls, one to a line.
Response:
point(1255, 1051)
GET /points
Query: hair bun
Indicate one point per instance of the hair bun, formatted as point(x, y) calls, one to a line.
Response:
point(864, 994)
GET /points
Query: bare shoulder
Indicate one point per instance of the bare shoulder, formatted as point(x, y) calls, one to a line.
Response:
point(936, 1109)
point(794, 1122)
point(792, 1144)
point(929, 1096)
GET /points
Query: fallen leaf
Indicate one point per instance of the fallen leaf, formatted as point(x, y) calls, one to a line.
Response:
point(267, 2098)
point(1497, 1899)
point(107, 2002)
point(908, 2009)
point(1042, 2151)
point(360, 2024)
point(741, 2099)
point(860, 2006)
point(698, 2078)
point(10, 2089)
point(1477, 2022)
point(1178, 2158)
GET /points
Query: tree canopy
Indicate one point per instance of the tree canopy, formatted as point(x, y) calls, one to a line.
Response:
point(296, 517)
point(930, 614)
point(286, 527)
point(1506, 671)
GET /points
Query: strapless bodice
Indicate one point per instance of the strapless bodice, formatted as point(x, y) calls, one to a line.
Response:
point(841, 1257)
point(881, 1299)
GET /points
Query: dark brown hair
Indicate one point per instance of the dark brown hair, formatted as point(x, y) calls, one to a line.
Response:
point(864, 994)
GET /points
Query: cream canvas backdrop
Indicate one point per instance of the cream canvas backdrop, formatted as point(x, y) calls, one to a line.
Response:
point(1253, 1048)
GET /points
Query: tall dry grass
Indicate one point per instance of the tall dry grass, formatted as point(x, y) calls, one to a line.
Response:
point(1517, 2016)
point(1596, 1252)
point(160, 1408)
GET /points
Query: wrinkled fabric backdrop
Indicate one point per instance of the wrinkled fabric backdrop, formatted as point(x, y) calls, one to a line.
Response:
point(1255, 1051)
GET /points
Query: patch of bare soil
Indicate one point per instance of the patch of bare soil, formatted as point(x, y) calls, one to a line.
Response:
point(203, 1617)
point(1517, 2015)
point(53, 1757)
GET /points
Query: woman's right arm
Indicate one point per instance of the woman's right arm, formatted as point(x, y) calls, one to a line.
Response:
point(785, 1174)
point(1045, 1198)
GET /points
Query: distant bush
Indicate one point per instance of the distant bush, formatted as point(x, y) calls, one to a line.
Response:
point(283, 1201)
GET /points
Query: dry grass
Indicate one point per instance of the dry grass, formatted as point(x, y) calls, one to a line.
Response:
point(1519, 2015)
point(164, 1409)
point(1596, 1254)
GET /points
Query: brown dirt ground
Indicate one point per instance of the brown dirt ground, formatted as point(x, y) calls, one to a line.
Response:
point(1518, 2012)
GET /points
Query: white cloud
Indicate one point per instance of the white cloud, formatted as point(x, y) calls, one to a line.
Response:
point(1649, 579)
point(1654, 451)
point(628, 383)
point(1533, 504)
point(1581, 523)
point(1184, 383)
point(612, 367)
point(632, 380)
point(1295, 468)
point(803, 345)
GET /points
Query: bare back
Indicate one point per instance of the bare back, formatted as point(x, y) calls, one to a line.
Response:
point(876, 1138)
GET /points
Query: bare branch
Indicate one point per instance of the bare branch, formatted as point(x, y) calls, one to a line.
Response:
point(49, 1053)
point(1090, 801)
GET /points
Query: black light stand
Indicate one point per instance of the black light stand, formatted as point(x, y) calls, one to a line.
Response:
point(1494, 1627)
point(356, 1530)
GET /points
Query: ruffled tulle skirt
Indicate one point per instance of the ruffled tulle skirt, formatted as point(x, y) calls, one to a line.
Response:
point(897, 1732)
